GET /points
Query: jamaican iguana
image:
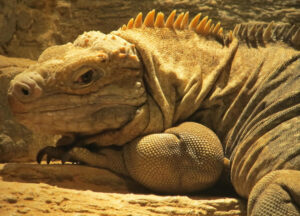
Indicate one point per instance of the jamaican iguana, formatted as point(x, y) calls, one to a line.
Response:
point(167, 101)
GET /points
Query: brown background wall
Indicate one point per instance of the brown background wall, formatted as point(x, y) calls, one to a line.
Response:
point(27, 27)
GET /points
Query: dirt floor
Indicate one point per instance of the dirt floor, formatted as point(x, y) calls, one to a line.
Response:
point(32, 189)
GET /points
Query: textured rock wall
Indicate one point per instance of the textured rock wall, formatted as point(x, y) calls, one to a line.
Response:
point(29, 26)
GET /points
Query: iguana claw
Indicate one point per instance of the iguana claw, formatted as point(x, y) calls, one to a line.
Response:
point(60, 153)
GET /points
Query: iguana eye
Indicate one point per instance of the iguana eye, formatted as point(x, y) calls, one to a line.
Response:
point(85, 78)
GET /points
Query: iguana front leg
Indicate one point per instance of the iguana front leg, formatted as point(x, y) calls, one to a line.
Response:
point(183, 159)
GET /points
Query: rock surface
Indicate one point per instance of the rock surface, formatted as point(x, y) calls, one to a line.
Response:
point(30, 26)
point(31, 189)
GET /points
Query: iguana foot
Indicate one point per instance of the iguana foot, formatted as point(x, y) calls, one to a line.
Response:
point(58, 153)
point(278, 193)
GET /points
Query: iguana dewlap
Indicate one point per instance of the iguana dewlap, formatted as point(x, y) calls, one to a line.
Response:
point(151, 86)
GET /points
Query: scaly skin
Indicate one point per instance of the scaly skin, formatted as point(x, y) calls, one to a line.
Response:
point(144, 87)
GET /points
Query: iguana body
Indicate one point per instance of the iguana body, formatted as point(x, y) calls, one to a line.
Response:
point(144, 86)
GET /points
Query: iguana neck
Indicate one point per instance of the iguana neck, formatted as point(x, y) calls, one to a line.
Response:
point(181, 68)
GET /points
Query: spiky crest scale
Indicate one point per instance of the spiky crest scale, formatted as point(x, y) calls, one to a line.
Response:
point(207, 28)
point(251, 33)
point(201, 25)
point(296, 37)
point(130, 23)
point(185, 21)
point(170, 19)
point(194, 21)
point(178, 21)
point(217, 28)
point(268, 32)
point(159, 22)
point(138, 22)
point(149, 19)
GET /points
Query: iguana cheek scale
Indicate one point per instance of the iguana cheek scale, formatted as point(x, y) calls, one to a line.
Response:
point(151, 86)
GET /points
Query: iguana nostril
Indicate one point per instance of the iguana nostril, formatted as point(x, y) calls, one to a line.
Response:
point(25, 91)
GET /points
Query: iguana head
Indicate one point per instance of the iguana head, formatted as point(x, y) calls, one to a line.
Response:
point(90, 86)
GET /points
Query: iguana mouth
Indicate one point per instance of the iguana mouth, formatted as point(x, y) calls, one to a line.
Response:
point(45, 103)
point(78, 119)
point(66, 107)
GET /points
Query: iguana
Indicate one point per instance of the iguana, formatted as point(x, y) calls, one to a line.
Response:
point(166, 102)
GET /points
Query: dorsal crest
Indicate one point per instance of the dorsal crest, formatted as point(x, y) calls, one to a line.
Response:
point(255, 34)
point(202, 27)
point(252, 33)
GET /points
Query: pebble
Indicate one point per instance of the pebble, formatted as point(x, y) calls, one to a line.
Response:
point(11, 200)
